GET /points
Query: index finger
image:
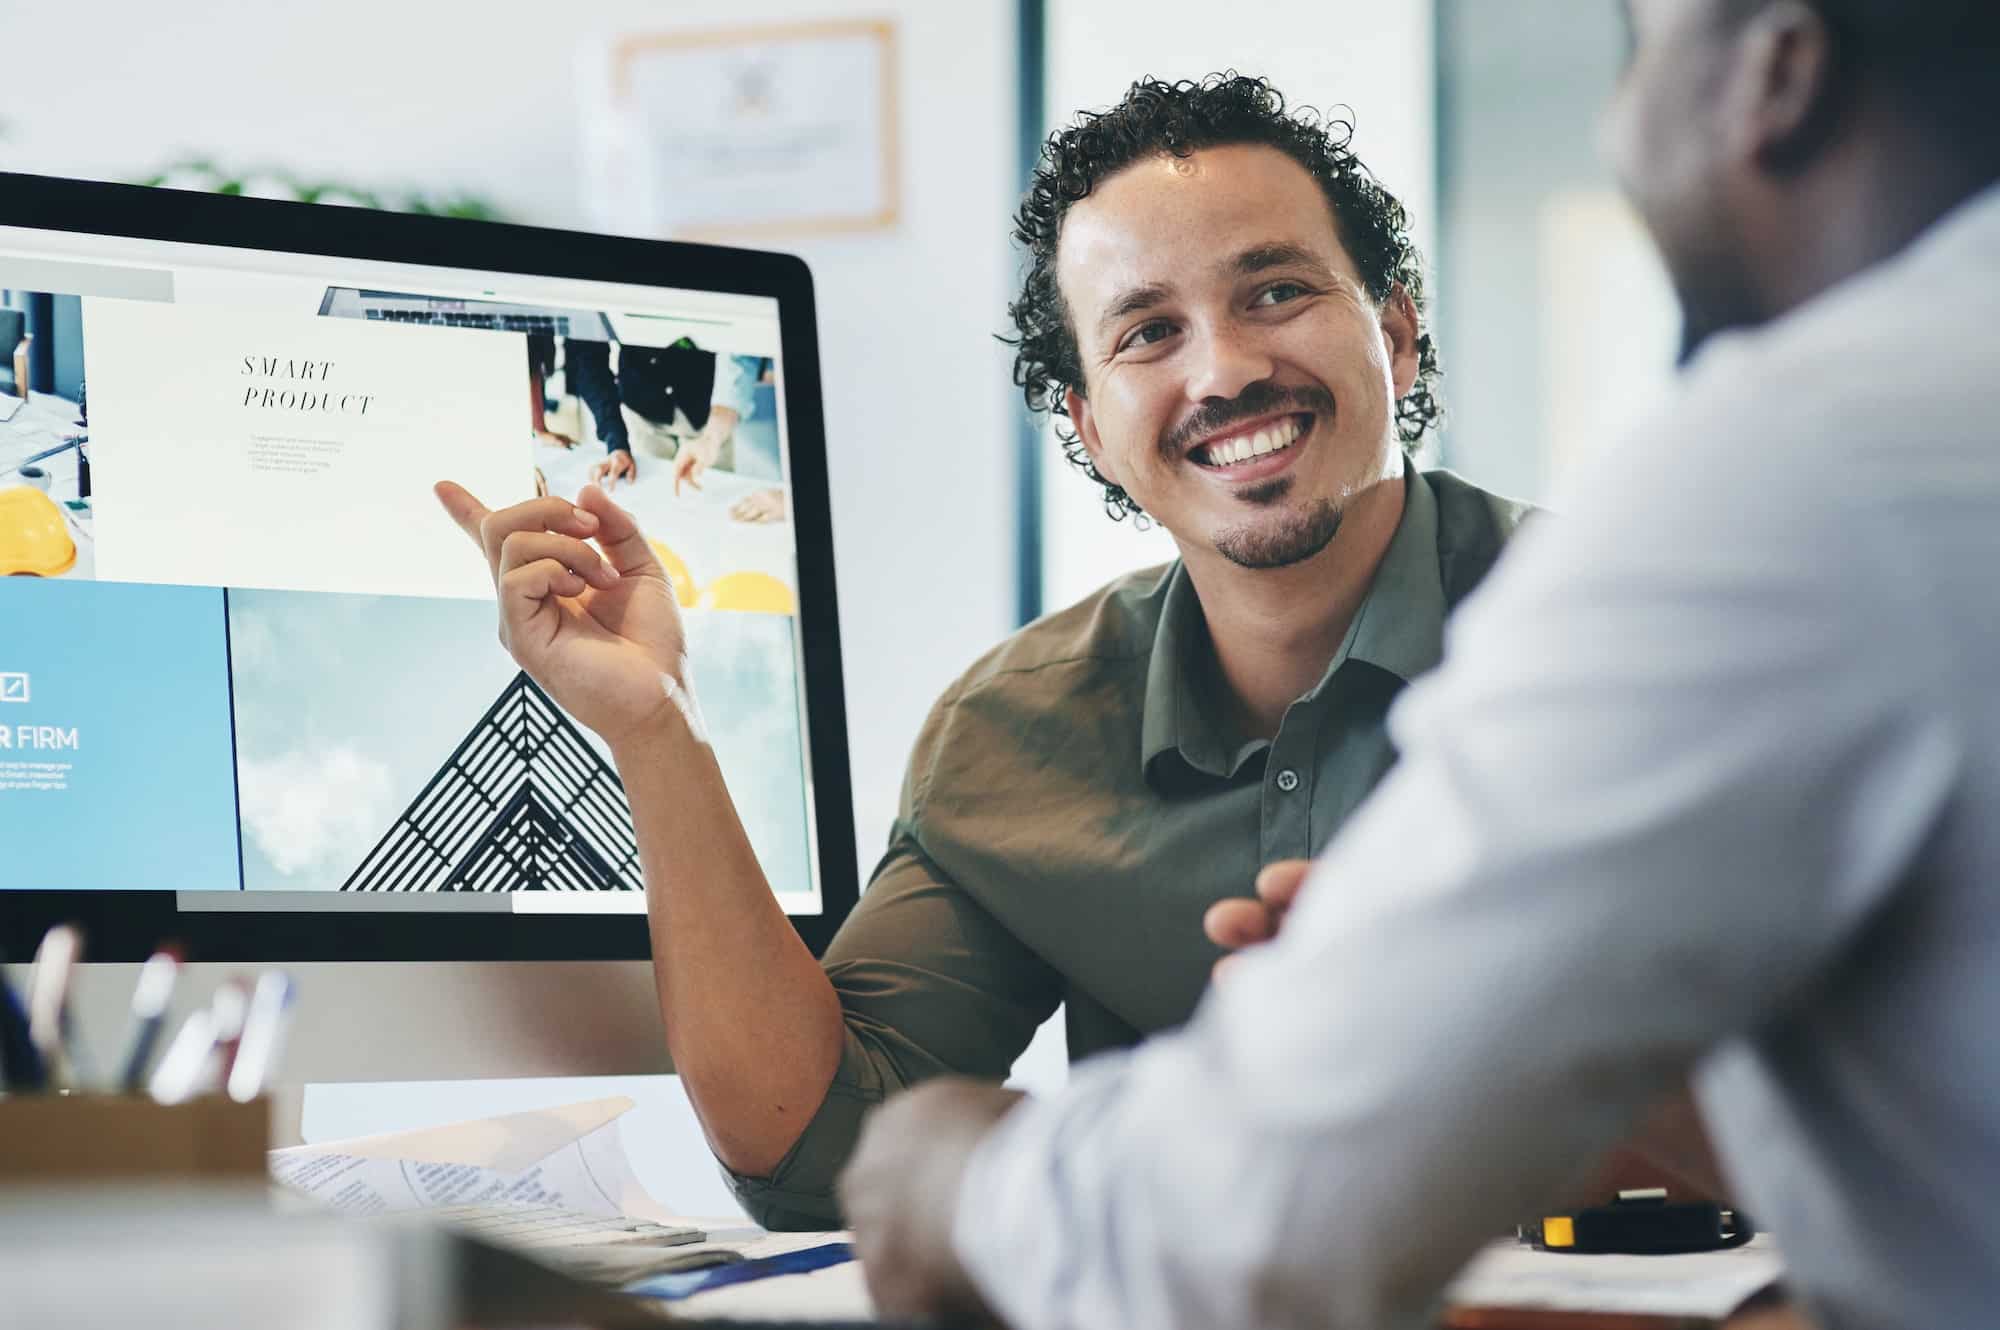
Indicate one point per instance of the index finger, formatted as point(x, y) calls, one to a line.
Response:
point(465, 510)
point(618, 534)
point(490, 529)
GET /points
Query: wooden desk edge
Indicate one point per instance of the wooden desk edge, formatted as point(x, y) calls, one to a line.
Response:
point(1768, 1310)
point(1530, 1318)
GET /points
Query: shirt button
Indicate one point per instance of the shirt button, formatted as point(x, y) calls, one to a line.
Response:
point(1288, 780)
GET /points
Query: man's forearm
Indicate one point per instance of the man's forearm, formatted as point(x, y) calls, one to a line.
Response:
point(752, 1023)
point(722, 421)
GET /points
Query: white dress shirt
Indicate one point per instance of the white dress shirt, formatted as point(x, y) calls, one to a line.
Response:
point(1709, 783)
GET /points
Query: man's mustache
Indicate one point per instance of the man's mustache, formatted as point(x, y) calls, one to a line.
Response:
point(1259, 399)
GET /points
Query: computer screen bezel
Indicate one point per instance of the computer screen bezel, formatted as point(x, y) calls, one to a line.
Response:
point(126, 925)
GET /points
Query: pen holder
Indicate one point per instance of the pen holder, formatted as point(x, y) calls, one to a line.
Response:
point(107, 1138)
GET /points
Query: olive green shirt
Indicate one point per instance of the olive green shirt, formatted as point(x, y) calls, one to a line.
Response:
point(1076, 802)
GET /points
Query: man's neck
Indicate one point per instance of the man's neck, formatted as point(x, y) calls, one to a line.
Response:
point(1880, 193)
point(1275, 630)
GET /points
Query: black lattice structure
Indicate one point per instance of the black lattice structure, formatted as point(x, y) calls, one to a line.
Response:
point(524, 804)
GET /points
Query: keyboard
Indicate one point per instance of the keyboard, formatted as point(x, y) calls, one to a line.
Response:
point(347, 302)
point(542, 1227)
point(550, 325)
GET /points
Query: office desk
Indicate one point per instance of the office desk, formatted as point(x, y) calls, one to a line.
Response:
point(831, 1296)
point(208, 1256)
point(671, 1158)
point(41, 423)
point(694, 524)
point(1773, 1315)
point(1764, 1316)
point(840, 1294)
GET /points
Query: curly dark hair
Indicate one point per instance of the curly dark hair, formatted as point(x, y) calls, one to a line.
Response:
point(1180, 118)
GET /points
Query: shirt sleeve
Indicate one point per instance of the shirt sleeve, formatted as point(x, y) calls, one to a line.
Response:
point(930, 983)
point(735, 384)
point(587, 374)
point(1683, 746)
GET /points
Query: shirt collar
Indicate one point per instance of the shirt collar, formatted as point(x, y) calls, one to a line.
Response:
point(1171, 722)
point(1973, 223)
point(1399, 628)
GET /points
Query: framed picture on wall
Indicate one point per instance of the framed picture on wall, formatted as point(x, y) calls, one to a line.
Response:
point(743, 133)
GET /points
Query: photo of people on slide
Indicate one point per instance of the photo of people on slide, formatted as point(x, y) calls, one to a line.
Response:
point(45, 504)
point(683, 436)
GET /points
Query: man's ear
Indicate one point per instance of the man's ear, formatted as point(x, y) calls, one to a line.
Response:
point(1401, 330)
point(1779, 100)
point(1080, 416)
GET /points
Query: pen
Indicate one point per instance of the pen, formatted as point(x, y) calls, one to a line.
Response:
point(48, 998)
point(186, 1069)
point(687, 1283)
point(150, 997)
point(42, 456)
point(229, 1009)
point(263, 1036)
point(20, 1068)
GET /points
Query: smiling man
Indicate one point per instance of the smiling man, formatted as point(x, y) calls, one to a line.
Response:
point(1227, 308)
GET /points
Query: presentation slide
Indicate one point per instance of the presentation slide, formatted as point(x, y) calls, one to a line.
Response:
point(289, 452)
point(243, 648)
point(115, 763)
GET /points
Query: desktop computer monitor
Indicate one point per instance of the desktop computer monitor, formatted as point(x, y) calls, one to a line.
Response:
point(252, 701)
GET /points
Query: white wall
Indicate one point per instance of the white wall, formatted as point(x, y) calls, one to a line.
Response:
point(1558, 324)
point(1373, 56)
point(479, 96)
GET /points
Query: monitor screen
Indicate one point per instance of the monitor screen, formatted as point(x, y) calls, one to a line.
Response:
point(248, 663)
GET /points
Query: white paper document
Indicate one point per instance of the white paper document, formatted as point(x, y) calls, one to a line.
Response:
point(1698, 1284)
point(837, 1293)
point(570, 1157)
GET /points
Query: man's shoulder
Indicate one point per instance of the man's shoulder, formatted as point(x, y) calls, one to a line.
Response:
point(1070, 683)
point(1474, 526)
point(1462, 503)
point(1111, 628)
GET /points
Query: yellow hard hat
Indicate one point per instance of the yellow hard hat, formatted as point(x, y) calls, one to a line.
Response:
point(34, 539)
point(685, 590)
point(758, 593)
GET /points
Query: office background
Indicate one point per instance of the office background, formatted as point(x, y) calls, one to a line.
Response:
point(1554, 324)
